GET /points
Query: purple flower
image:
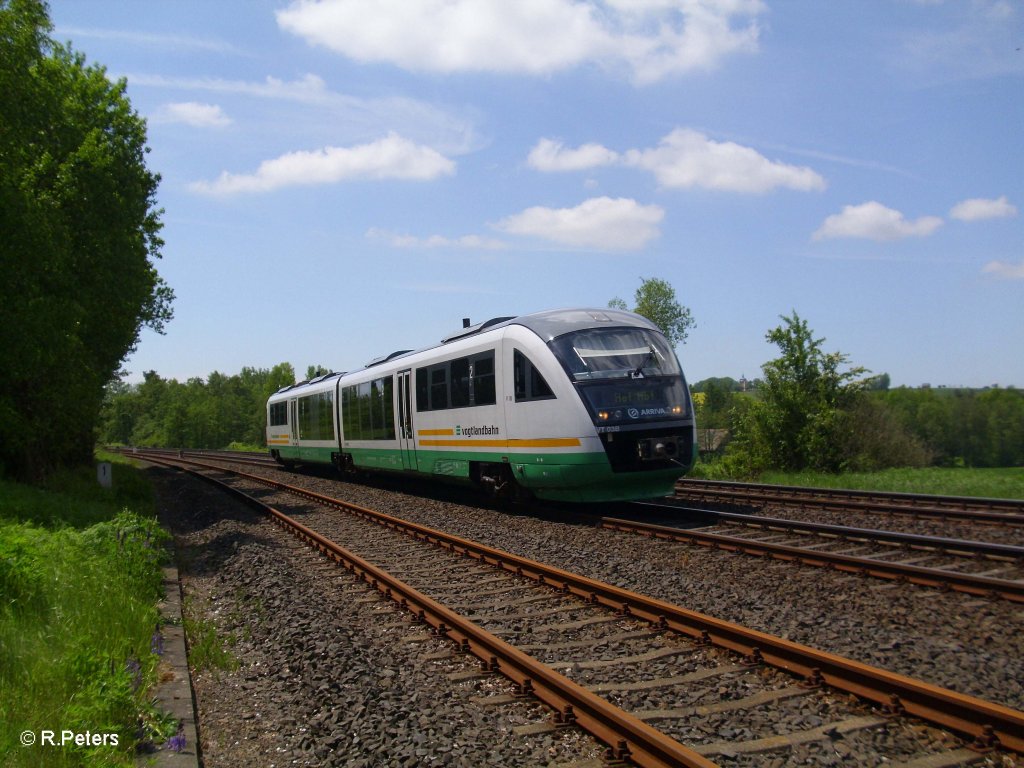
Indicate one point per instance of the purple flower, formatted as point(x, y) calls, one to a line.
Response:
point(156, 643)
point(134, 668)
point(177, 742)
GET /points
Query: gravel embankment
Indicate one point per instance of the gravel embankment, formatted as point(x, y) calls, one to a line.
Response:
point(971, 645)
point(329, 674)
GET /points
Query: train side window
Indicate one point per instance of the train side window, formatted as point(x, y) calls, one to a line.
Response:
point(368, 410)
point(527, 380)
point(439, 387)
point(316, 416)
point(460, 382)
point(325, 420)
point(388, 406)
point(422, 390)
point(278, 414)
point(350, 413)
point(483, 379)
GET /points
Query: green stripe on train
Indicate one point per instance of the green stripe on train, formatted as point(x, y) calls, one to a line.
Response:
point(557, 477)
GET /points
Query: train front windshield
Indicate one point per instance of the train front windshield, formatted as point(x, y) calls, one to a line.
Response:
point(624, 375)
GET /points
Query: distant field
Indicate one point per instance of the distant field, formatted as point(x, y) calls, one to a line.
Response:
point(1006, 483)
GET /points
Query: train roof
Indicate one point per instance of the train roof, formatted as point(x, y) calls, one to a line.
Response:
point(309, 382)
point(548, 325)
point(556, 322)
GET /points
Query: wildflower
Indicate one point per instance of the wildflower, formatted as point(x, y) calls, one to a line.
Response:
point(134, 668)
point(177, 742)
point(156, 643)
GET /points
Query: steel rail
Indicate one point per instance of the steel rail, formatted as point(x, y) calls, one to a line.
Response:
point(889, 497)
point(990, 724)
point(746, 496)
point(911, 540)
point(982, 586)
point(627, 737)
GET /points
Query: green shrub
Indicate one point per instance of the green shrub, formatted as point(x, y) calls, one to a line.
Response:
point(79, 582)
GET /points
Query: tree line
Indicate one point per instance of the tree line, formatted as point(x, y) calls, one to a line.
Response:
point(212, 413)
point(810, 410)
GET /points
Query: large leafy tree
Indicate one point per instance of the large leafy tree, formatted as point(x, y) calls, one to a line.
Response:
point(655, 299)
point(80, 237)
point(802, 420)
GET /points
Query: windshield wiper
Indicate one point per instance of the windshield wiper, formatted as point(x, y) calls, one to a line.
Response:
point(639, 372)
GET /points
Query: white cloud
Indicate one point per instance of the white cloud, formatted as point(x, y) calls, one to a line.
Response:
point(687, 158)
point(873, 221)
point(358, 117)
point(468, 242)
point(149, 40)
point(978, 208)
point(1005, 270)
point(392, 157)
point(193, 113)
point(551, 155)
point(308, 89)
point(684, 158)
point(602, 223)
point(649, 40)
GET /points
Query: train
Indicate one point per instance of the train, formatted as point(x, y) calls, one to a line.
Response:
point(566, 405)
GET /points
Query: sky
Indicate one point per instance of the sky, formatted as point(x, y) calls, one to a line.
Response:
point(346, 178)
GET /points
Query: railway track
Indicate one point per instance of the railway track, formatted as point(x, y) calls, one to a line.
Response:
point(973, 567)
point(976, 510)
point(508, 606)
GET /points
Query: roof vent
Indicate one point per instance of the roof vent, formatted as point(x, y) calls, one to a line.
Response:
point(385, 358)
point(469, 330)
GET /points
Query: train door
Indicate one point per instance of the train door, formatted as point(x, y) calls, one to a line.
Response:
point(293, 408)
point(406, 435)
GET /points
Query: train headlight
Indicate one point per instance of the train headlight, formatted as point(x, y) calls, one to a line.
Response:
point(677, 409)
point(602, 415)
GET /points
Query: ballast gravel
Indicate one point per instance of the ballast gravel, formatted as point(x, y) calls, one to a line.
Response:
point(967, 644)
point(326, 673)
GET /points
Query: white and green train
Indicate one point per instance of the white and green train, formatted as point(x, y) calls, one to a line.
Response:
point(567, 405)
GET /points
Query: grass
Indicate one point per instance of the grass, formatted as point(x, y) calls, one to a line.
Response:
point(207, 649)
point(250, 447)
point(79, 581)
point(1000, 483)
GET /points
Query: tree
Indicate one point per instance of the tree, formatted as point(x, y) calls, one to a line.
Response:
point(80, 235)
point(802, 420)
point(312, 371)
point(656, 300)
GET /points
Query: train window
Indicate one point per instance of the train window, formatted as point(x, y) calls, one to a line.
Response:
point(325, 420)
point(483, 379)
point(460, 382)
point(278, 414)
point(439, 387)
point(316, 416)
point(368, 410)
point(422, 392)
point(386, 428)
point(349, 412)
point(529, 384)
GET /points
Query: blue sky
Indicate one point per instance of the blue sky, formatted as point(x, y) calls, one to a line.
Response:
point(345, 178)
